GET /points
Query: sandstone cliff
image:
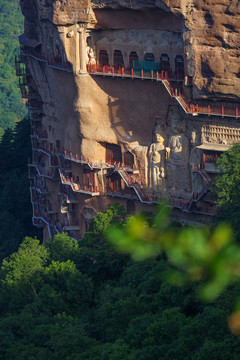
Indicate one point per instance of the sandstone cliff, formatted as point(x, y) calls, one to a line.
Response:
point(96, 135)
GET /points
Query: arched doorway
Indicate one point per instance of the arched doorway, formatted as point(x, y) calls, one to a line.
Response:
point(114, 183)
point(103, 58)
point(165, 62)
point(85, 218)
point(113, 153)
point(149, 57)
point(179, 67)
point(118, 59)
point(88, 179)
point(128, 159)
point(132, 57)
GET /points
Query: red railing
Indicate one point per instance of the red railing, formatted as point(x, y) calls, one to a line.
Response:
point(76, 186)
point(230, 110)
point(127, 72)
point(68, 155)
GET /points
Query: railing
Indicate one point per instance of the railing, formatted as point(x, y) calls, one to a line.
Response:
point(40, 214)
point(51, 62)
point(121, 193)
point(205, 209)
point(99, 164)
point(42, 171)
point(199, 168)
point(230, 110)
point(40, 186)
point(183, 204)
point(37, 146)
point(138, 186)
point(107, 70)
point(77, 187)
point(39, 134)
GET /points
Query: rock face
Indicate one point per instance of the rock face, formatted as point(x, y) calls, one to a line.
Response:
point(129, 99)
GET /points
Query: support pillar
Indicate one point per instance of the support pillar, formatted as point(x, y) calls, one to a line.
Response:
point(82, 50)
point(77, 60)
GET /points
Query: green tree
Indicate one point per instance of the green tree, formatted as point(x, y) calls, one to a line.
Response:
point(95, 254)
point(21, 273)
point(62, 248)
point(227, 187)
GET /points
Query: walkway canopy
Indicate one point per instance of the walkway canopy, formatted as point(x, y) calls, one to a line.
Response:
point(146, 65)
point(24, 40)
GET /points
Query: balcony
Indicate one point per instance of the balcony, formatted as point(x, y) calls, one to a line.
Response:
point(30, 51)
point(71, 199)
point(71, 228)
point(122, 72)
point(77, 187)
point(79, 159)
point(40, 134)
point(41, 171)
point(203, 173)
point(226, 110)
point(121, 193)
point(205, 209)
point(39, 186)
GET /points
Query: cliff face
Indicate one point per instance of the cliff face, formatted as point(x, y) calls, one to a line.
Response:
point(214, 46)
point(210, 30)
point(107, 86)
point(212, 42)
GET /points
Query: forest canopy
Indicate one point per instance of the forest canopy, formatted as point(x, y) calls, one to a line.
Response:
point(83, 301)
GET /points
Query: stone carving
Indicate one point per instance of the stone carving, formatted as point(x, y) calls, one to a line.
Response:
point(218, 133)
point(88, 214)
point(157, 155)
point(194, 161)
point(57, 50)
point(178, 155)
point(70, 34)
point(91, 57)
point(195, 156)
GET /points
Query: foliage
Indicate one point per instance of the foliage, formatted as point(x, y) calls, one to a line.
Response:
point(11, 26)
point(57, 302)
point(196, 254)
point(227, 187)
point(103, 263)
point(227, 183)
point(16, 209)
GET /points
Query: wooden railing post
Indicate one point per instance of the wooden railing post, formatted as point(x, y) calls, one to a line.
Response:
point(209, 109)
